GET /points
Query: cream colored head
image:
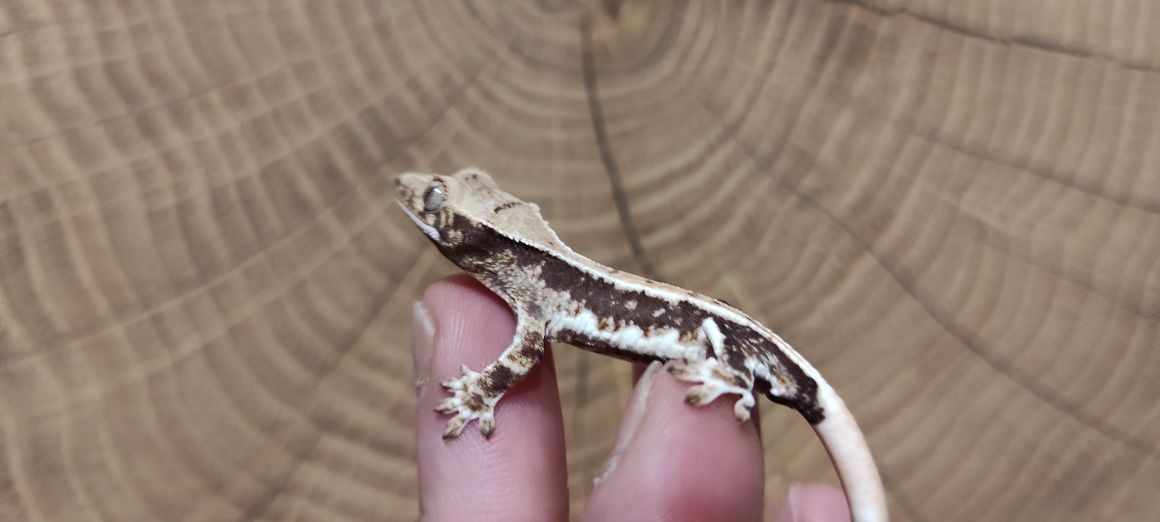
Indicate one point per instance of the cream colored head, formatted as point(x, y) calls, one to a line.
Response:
point(438, 204)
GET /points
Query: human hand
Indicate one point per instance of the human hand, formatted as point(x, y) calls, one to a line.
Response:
point(670, 461)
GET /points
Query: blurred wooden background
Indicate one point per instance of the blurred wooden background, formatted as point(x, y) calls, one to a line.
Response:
point(953, 208)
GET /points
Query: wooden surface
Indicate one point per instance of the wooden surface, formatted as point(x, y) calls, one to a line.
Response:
point(953, 208)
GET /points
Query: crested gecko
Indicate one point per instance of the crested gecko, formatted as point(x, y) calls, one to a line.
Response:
point(559, 295)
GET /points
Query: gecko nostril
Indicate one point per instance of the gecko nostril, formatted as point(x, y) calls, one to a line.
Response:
point(403, 192)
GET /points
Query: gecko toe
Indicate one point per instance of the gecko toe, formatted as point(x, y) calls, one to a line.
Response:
point(680, 371)
point(487, 426)
point(743, 405)
point(447, 407)
point(451, 385)
point(698, 396)
point(713, 380)
point(467, 402)
point(455, 427)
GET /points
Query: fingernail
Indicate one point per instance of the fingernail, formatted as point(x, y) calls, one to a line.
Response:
point(422, 338)
point(632, 417)
point(807, 501)
point(790, 512)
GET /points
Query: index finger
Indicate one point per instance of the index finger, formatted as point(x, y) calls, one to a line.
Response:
point(517, 474)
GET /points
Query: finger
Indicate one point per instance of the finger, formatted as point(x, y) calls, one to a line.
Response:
point(518, 474)
point(815, 503)
point(678, 462)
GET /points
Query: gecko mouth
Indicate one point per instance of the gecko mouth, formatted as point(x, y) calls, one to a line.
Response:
point(408, 189)
point(431, 231)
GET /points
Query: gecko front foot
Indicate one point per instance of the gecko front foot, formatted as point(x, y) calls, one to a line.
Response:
point(714, 380)
point(467, 403)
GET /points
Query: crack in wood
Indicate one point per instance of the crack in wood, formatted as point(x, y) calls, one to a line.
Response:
point(611, 168)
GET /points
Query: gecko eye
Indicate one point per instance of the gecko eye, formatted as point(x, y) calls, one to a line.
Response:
point(433, 197)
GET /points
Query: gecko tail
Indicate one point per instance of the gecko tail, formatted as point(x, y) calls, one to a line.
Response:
point(851, 456)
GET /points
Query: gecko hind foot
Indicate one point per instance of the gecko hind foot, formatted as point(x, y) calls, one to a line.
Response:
point(714, 380)
point(467, 403)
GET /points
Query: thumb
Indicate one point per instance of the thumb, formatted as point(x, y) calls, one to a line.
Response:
point(814, 503)
point(679, 462)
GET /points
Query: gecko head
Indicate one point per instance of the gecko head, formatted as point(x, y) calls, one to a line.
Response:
point(441, 205)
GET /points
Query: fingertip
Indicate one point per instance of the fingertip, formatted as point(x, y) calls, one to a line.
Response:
point(470, 321)
point(813, 502)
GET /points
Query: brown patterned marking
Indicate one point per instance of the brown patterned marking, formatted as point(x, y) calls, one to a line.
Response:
point(530, 352)
point(732, 377)
point(505, 206)
point(405, 193)
point(479, 244)
point(735, 355)
point(499, 379)
point(741, 343)
point(696, 397)
point(474, 402)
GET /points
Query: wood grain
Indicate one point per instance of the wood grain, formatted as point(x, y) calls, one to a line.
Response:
point(953, 208)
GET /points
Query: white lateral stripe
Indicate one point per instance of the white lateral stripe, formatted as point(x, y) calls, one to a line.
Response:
point(587, 266)
point(665, 343)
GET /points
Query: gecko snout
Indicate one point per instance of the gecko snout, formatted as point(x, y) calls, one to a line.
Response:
point(407, 186)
